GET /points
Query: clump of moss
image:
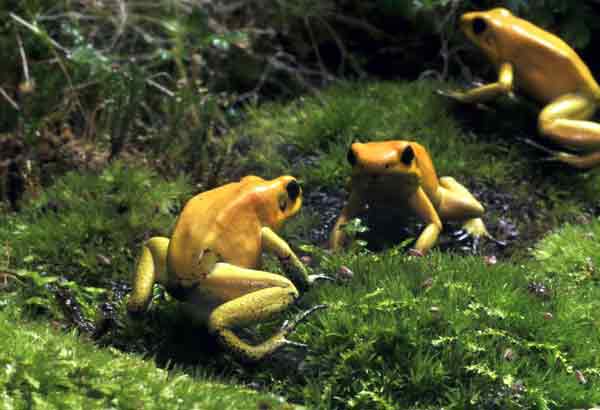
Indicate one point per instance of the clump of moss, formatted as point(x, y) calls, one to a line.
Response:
point(89, 227)
point(318, 130)
point(43, 368)
point(446, 331)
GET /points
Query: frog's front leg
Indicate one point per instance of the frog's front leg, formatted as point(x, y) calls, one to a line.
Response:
point(458, 204)
point(151, 269)
point(566, 122)
point(276, 244)
point(487, 92)
point(246, 297)
point(354, 206)
point(423, 207)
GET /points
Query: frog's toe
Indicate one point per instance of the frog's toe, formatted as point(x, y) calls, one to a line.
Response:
point(475, 231)
point(475, 228)
point(289, 325)
point(454, 95)
point(540, 147)
point(313, 278)
point(291, 343)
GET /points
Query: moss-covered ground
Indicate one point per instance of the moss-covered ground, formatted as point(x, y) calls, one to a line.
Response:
point(511, 327)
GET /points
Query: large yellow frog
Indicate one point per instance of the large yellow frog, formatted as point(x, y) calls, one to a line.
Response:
point(401, 174)
point(210, 259)
point(544, 67)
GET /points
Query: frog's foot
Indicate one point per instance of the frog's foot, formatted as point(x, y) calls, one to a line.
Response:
point(290, 325)
point(474, 230)
point(313, 278)
point(453, 95)
point(583, 161)
point(464, 98)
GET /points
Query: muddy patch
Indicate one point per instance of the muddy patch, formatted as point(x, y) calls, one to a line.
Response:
point(515, 222)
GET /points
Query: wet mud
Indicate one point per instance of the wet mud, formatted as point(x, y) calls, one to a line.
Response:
point(512, 221)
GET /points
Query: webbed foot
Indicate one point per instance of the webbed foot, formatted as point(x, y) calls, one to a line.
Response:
point(474, 230)
point(289, 325)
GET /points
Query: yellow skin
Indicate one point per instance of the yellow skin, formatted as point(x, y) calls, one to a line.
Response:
point(544, 67)
point(210, 260)
point(401, 173)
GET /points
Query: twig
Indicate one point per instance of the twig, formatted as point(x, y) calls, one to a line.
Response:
point(343, 50)
point(23, 58)
point(37, 31)
point(123, 16)
point(160, 87)
point(10, 100)
point(324, 72)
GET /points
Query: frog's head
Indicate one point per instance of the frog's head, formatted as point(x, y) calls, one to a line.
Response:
point(279, 199)
point(385, 161)
point(488, 29)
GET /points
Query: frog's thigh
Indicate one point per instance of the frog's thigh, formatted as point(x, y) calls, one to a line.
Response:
point(252, 296)
point(227, 282)
point(151, 268)
point(456, 202)
point(565, 122)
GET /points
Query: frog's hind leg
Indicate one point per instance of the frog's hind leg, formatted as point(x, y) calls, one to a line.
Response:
point(566, 122)
point(151, 268)
point(458, 204)
point(250, 296)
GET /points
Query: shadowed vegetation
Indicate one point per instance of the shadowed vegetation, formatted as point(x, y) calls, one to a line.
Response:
point(114, 113)
point(445, 330)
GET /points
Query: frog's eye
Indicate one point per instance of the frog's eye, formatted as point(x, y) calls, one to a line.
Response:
point(351, 157)
point(282, 201)
point(293, 190)
point(479, 25)
point(407, 155)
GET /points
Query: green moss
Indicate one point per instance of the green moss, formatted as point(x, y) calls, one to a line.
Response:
point(89, 227)
point(322, 128)
point(403, 333)
point(473, 336)
point(42, 368)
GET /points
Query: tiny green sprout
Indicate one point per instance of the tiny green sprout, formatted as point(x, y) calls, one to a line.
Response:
point(354, 227)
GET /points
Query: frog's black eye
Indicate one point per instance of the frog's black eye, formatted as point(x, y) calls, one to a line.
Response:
point(351, 157)
point(293, 190)
point(407, 155)
point(479, 25)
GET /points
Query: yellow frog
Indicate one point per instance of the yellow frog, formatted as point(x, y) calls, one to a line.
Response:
point(401, 174)
point(210, 261)
point(544, 67)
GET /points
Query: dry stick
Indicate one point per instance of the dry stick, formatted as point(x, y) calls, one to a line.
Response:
point(123, 16)
point(10, 100)
point(343, 49)
point(55, 45)
point(37, 31)
point(324, 72)
point(23, 58)
point(160, 87)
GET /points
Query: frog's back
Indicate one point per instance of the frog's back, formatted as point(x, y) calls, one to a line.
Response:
point(546, 67)
point(219, 220)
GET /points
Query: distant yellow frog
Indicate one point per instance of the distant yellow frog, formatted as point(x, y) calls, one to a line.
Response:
point(401, 174)
point(210, 259)
point(544, 67)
